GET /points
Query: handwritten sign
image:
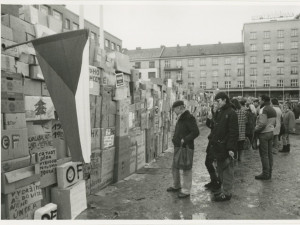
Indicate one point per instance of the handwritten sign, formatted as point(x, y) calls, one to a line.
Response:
point(95, 80)
point(48, 165)
point(23, 202)
point(38, 108)
point(69, 173)
point(95, 138)
point(108, 137)
point(39, 142)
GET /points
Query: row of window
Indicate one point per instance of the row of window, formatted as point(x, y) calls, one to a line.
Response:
point(280, 46)
point(280, 83)
point(280, 58)
point(111, 45)
point(215, 61)
point(280, 71)
point(280, 34)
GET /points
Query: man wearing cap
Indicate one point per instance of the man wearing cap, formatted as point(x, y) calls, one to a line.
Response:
point(186, 130)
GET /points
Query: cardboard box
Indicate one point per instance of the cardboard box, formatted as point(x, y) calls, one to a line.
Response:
point(122, 164)
point(107, 166)
point(123, 107)
point(69, 173)
point(107, 137)
point(122, 125)
point(22, 68)
point(42, 30)
point(14, 52)
point(46, 192)
point(6, 33)
point(47, 212)
point(12, 121)
point(98, 108)
point(47, 161)
point(11, 82)
point(122, 142)
point(58, 140)
point(104, 121)
point(8, 63)
point(121, 93)
point(93, 111)
point(133, 159)
point(22, 203)
point(95, 77)
point(45, 91)
point(121, 62)
point(54, 24)
point(32, 87)
point(95, 175)
point(111, 120)
point(141, 157)
point(106, 92)
point(95, 139)
point(17, 24)
point(14, 144)
point(39, 108)
point(27, 58)
point(35, 72)
point(14, 164)
point(13, 180)
point(70, 201)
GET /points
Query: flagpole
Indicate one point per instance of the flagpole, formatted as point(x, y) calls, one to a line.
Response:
point(16, 45)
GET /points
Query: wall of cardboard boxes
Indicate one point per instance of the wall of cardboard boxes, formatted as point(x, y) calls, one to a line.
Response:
point(130, 124)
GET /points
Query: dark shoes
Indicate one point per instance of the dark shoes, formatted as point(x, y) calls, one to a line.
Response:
point(286, 148)
point(171, 189)
point(222, 197)
point(213, 185)
point(262, 177)
point(182, 195)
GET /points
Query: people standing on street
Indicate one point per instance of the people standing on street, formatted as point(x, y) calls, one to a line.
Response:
point(289, 125)
point(256, 105)
point(264, 128)
point(186, 130)
point(242, 128)
point(250, 124)
point(210, 158)
point(276, 131)
point(257, 109)
point(224, 136)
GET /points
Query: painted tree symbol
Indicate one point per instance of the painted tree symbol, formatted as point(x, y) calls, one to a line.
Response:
point(40, 108)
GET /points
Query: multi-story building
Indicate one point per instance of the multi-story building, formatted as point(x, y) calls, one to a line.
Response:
point(272, 55)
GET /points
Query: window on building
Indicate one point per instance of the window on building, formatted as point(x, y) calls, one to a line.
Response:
point(179, 75)
point(67, 24)
point(191, 85)
point(202, 73)
point(267, 72)
point(75, 26)
point(240, 84)
point(227, 73)
point(294, 70)
point(190, 74)
point(252, 47)
point(215, 61)
point(45, 9)
point(240, 60)
point(294, 82)
point(280, 45)
point(267, 34)
point(227, 61)
point(191, 62)
point(202, 62)
point(215, 73)
point(240, 72)
point(203, 85)
point(227, 84)
point(294, 45)
point(137, 65)
point(253, 72)
point(253, 36)
point(252, 59)
point(106, 43)
point(279, 83)
point(267, 46)
point(215, 84)
point(118, 48)
point(112, 46)
point(294, 58)
point(57, 15)
point(280, 58)
point(151, 75)
point(167, 74)
point(267, 59)
point(151, 64)
point(253, 83)
point(93, 35)
point(167, 64)
point(178, 63)
point(280, 33)
point(266, 83)
point(280, 71)
point(294, 32)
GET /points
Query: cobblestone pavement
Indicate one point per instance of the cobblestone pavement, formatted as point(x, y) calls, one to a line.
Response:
point(143, 195)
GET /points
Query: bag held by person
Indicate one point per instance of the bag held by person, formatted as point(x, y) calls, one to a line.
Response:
point(183, 158)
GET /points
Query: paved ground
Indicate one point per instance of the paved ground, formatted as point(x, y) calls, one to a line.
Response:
point(144, 196)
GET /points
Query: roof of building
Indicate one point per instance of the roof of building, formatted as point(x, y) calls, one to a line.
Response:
point(144, 53)
point(200, 50)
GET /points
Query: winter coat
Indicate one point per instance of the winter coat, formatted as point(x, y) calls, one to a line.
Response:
point(225, 133)
point(278, 120)
point(266, 121)
point(289, 121)
point(251, 120)
point(297, 111)
point(241, 113)
point(186, 128)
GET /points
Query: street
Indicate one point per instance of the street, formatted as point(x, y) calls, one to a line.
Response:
point(143, 195)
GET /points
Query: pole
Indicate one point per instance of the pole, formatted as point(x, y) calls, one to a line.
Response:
point(16, 45)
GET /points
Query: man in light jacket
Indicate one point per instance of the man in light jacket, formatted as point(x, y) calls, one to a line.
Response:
point(276, 131)
point(264, 128)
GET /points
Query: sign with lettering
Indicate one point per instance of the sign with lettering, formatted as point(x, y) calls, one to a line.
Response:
point(22, 203)
point(37, 143)
point(107, 137)
point(14, 121)
point(48, 165)
point(38, 108)
point(119, 80)
point(95, 80)
point(69, 173)
point(95, 138)
point(48, 212)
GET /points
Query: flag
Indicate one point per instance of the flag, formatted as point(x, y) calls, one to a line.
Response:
point(63, 59)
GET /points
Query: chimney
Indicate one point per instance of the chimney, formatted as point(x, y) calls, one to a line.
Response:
point(189, 45)
point(138, 48)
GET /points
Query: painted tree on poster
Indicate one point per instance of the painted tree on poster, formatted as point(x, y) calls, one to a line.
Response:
point(40, 108)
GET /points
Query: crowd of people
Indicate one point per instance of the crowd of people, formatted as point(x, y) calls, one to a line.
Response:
point(236, 125)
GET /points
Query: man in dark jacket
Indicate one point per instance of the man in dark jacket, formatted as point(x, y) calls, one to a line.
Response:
point(186, 130)
point(224, 137)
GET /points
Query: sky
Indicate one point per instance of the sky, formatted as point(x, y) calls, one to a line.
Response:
point(152, 24)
